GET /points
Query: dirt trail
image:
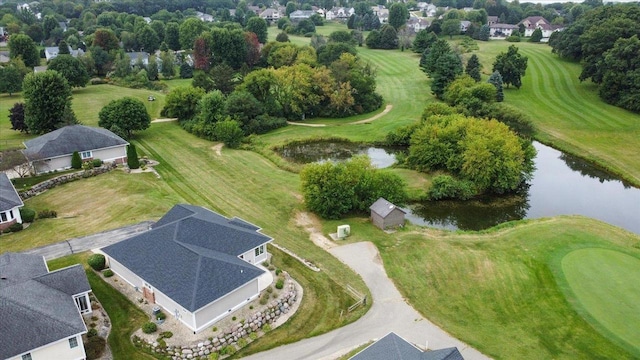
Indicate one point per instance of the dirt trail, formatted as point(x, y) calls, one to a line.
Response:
point(364, 121)
point(164, 120)
point(311, 224)
point(218, 149)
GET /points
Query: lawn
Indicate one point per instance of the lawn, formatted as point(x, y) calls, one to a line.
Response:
point(125, 316)
point(592, 275)
point(502, 291)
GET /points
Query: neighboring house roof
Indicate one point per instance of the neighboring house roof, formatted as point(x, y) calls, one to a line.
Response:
point(394, 347)
point(51, 52)
point(197, 255)
point(68, 139)
point(503, 26)
point(134, 56)
point(9, 197)
point(383, 207)
point(301, 14)
point(36, 306)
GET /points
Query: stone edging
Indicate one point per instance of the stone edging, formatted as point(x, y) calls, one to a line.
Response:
point(305, 262)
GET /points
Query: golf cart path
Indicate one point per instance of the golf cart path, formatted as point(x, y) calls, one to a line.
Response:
point(367, 120)
point(389, 312)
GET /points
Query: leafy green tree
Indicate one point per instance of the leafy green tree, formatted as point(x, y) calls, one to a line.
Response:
point(128, 113)
point(48, 25)
point(76, 161)
point(332, 190)
point(147, 39)
point(373, 40)
point(63, 48)
point(71, 68)
point(132, 157)
point(223, 78)
point(211, 107)
point(172, 36)
point(21, 45)
point(445, 71)
point(398, 15)
point(47, 101)
point(152, 69)
point(473, 68)
point(190, 29)
point(182, 102)
point(243, 107)
point(512, 66)
point(168, 65)
point(106, 39)
point(621, 81)
point(35, 33)
point(229, 132)
point(451, 27)
point(291, 7)
point(496, 80)
point(282, 37)
point(16, 117)
point(202, 80)
point(258, 26)
point(423, 41)
point(331, 52)
point(10, 80)
point(536, 36)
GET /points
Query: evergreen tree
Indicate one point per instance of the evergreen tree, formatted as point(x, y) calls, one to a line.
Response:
point(186, 71)
point(446, 68)
point(152, 69)
point(63, 48)
point(496, 80)
point(76, 161)
point(473, 68)
point(132, 157)
point(536, 36)
point(423, 41)
point(439, 48)
point(484, 33)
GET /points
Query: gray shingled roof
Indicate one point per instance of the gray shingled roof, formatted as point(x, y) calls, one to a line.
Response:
point(394, 347)
point(8, 195)
point(68, 139)
point(383, 207)
point(191, 255)
point(36, 308)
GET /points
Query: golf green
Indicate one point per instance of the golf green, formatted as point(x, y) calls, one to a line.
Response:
point(606, 286)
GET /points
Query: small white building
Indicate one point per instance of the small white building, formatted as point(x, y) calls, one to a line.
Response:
point(197, 265)
point(41, 311)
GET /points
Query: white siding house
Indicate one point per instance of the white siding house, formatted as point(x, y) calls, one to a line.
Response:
point(209, 264)
point(10, 203)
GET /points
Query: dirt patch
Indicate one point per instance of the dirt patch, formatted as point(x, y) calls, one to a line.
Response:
point(218, 149)
point(375, 117)
point(311, 224)
point(305, 124)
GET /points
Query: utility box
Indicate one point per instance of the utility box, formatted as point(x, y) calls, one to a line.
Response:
point(343, 231)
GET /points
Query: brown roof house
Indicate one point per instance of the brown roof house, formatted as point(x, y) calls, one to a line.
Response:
point(385, 214)
point(10, 203)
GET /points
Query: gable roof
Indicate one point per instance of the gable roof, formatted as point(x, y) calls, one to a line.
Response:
point(68, 139)
point(37, 307)
point(383, 207)
point(9, 197)
point(394, 347)
point(198, 250)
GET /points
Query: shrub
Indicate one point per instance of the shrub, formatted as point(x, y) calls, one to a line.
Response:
point(15, 227)
point(253, 335)
point(162, 344)
point(269, 289)
point(27, 214)
point(228, 350)
point(279, 284)
point(214, 356)
point(161, 316)
point(266, 328)
point(76, 161)
point(282, 37)
point(97, 262)
point(513, 38)
point(166, 334)
point(278, 272)
point(87, 165)
point(92, 332)
point(132, 157)
point(94, 347)
point(229, 132)
point(264, 299)
point(242, 342)
point(265, 263)
point(96, 162)
point(47, 214)
point(447, 187)
point(149, 327)
point(108, 273)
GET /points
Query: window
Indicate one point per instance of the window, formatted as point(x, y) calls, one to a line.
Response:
point(26, 356)
point(82, 304)
point(11, 214)
point(260, 250)
point(3, 216)
point(85, 155)
point(73, 342)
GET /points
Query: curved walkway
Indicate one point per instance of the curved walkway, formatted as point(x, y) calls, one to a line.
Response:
point(364, 121)
point(389, 312)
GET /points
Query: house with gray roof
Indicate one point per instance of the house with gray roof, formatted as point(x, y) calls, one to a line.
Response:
point(53, 151)
point(299, 15)
point(196, 264)
point(385, 214)
point(394, 347)
point(41, 311)
point(51, 52)
point(10, 203)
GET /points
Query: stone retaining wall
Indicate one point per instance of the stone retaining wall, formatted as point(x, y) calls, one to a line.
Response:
point(232, 335)
point(63, 179)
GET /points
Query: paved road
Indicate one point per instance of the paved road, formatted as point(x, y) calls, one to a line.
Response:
point(76, 245)
point(389, 313)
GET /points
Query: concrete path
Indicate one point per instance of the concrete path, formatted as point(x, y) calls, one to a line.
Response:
point(76, 245)
point(389, 313)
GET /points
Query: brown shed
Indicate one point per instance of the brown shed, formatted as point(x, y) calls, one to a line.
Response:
point(385, 214)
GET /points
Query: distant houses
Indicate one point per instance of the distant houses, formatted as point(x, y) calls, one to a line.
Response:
point(538, 22)
point(51, 52)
